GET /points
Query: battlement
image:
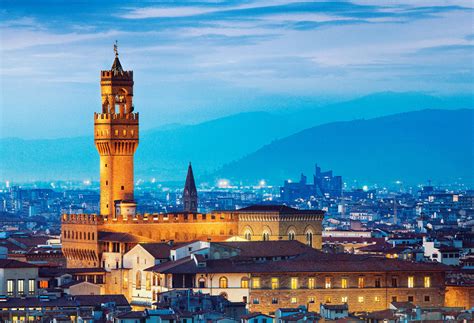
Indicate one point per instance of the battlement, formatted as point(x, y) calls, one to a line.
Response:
point(126, 75)
point(93, 219)
point(170, 218)
point(147, 218)
point(116, 116)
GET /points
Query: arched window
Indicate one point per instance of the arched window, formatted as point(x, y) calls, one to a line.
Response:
point(248, 235)
point(244, 282)
point(266, 236)
point(223, 282)
point(309, 238)
point(138, 280)
point(148, 281)
point(291, 235)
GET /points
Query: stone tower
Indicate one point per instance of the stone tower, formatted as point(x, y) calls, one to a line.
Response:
point(116, 139)
point(190, 197)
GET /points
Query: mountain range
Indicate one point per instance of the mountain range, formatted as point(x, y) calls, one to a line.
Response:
point(245, 145)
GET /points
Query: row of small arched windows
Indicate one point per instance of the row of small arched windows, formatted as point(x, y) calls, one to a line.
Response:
point(78, 235)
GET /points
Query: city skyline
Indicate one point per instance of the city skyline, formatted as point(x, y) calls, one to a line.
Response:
point(199, 61)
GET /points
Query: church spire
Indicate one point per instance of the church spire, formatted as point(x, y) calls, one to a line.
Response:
point(190, 198)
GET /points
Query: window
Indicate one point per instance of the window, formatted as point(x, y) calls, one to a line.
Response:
point(411, 281)
point(125, 280)
point(294, 300)
point(427, 298)
point(244, 282)
point(274, 300)
point(122, 187)
point(223, 282)
point(116, 132)
point(361, 282)
point(311, 283)
point(138, 280)
point(394, 281)
point(344, 299)
point(31, 286)
point(344, 283)
point(138, 260)
point(294, 283)
point(248, 236)
point(10, 287)
point(202, 282)
point(275, 283)
point(377, 282)
point(20, 286)
point(148, 281)
point(43, 284)
point(291, 235)
point(394, 298)
point(360, 299)
point(427, 281)
point(266, 236)
point(327, 282)
point(256, 301)
point(410, 298)
point(309, 239)
point(256, 283)
point(311, 300)
point(377, 299)
point(327, 299)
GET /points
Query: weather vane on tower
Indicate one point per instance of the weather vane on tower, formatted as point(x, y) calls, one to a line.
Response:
point(116, 48)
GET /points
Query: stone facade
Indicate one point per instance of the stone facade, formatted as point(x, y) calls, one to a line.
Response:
point(460, 296)
point(366, 298)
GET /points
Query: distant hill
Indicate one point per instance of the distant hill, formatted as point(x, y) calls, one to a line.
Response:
point(412, 147)
point(164, 152)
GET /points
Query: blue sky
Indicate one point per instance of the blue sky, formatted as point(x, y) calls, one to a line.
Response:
point(198, 60)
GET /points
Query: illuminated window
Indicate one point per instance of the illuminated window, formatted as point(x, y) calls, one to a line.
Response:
point(244, 282)
point(275, 283)
point(427, 281)
point(223, 282)
point(10, 287)
point(116, 132)
point(43, 284)
point(148, 281)
point(20, 286)
point(360, 299)
point(31, 286)
point(344, 299)
point(132, 132)
point(361, 282)
point(124, 132)
point(248, 236)
point(256, 282)
point(327, 282)
point(411, 281)
point(294, 300)
point(344, 283)
point(138, 280)
point(327, 299)
point(377, 298)
point(294, 283)
point(311, 283)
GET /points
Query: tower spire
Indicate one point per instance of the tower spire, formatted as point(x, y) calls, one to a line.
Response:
point(190, 198)
point(116, 66)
